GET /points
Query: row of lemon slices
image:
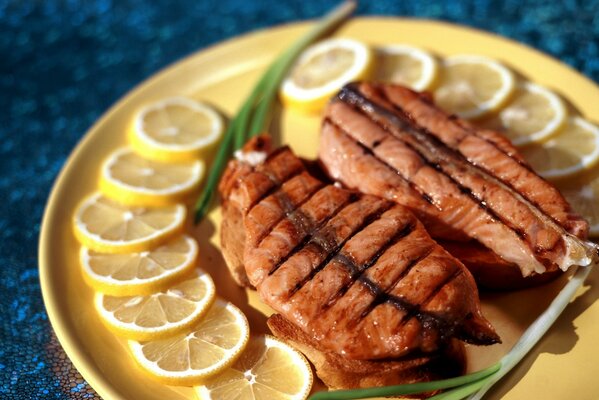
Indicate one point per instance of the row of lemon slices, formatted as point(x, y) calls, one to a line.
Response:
point(558, 145)
point(143, 266)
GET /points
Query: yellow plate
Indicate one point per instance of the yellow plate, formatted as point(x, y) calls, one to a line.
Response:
point(565, 361)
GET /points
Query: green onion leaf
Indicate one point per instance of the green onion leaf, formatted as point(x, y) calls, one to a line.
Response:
point(407, 389)
point(537, 329)
point(252, 118)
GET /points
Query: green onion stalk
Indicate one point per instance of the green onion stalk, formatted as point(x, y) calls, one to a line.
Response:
point(253, 117)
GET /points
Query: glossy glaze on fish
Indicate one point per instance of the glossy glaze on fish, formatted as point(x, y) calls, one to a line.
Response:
point(358, 273)
point(392, 142)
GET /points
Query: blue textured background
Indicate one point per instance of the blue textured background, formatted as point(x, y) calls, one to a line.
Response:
point(64, 62)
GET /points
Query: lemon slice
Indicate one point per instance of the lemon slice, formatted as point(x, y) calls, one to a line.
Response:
point(584, 198)
point(573, 149)
point(131, 179)
point(139, 273)
point(187, 359)
point(533, 114)
point(322, 69)
point(175, 130)
point(103, 225)
point(406, 65)
point(268, 369)
point(158, 315)
point(472, 86)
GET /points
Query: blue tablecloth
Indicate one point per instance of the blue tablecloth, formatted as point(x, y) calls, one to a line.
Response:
point(64, 62)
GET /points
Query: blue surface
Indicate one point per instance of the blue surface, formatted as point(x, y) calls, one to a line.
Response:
point(64, 62)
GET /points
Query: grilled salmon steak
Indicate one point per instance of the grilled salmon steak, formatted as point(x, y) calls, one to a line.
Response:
point(357, 273)
point(463, 183)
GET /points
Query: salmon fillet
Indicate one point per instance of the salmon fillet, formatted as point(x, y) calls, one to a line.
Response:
point(392, 142)
point(357, 273)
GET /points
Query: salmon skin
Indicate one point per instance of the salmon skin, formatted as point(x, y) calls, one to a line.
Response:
point(463, 184)
point(357, 273)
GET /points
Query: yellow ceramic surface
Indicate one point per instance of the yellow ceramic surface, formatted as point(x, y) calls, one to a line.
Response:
point(563, 365)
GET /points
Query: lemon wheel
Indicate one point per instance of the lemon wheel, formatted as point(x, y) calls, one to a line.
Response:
point(103, 225)
point(160, 314)
point(572, 150)
point(189, 358)
point(134, 180)
point(142, 272)
point(532, 115)
point(473, 86)
point(322, 69)
point(406, 65)
point(175, 130)
point(268, 369)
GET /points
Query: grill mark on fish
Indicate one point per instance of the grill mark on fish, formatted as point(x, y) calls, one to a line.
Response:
point(417, 311)
point(369, 151)
point(288, 207)
point(334, 252)
point(466, 191)
point(357, 271)
point(380, 295)
point(276, 184)
point(304, 224)
point(351, 96)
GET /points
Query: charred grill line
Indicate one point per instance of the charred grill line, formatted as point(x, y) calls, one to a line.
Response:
point(380, 296)
point(332, 254)
point(432, 321)
point(369, 151)
point(356, 272)
point(276, 184)
point(288, 207)
point(304, 224)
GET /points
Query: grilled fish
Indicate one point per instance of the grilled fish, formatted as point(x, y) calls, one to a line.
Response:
point(357, 273)
point(464, 184)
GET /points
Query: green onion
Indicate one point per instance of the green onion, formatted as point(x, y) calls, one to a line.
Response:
point(252, 118)
point(407, 389)
point(537, 329)
point(476, 384)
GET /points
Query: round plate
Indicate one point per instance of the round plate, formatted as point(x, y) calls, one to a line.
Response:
point(562, 363)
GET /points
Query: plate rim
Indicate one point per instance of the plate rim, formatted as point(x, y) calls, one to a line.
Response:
point(59, 323)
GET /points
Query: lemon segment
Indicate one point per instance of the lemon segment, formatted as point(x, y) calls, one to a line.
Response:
point(209, 347)
point(532, 115)
point(473, 86)
point(103, 225)
point(574, 149)
point(139, 273)
point(406, 65)
point(322, 69)
point(134, 180)
point(268, 369)
point(160, 314)
point(176, 130)
point(583, 196)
